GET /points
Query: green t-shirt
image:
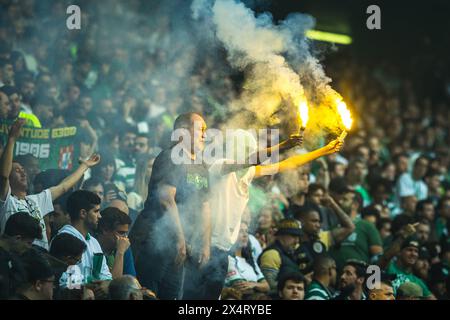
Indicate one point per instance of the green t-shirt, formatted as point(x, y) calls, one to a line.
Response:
point(403, 277)
point(316, 291)
point(357, 245)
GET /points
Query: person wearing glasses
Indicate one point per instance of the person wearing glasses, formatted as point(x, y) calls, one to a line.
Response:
point(39, 281)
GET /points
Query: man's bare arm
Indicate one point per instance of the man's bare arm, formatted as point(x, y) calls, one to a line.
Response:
point(7, 157)
point(71, 180)
point(166, 195)
point(298, 160)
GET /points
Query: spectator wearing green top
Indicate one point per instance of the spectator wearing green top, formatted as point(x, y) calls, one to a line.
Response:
point(324, 279)
point(364, 243)
point(402, 267)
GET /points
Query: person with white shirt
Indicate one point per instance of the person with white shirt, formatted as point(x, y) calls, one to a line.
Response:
point(84, 210)
point(244, 273)
point(230, 184)
point(13, 187)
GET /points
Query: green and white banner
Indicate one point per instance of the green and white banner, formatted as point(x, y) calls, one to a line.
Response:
point(55, 148)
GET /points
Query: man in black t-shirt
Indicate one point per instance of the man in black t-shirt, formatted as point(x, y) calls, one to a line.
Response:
point(175, 223)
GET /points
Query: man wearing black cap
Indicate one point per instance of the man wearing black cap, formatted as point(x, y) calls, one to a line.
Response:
point(402, 267)
point(279, 258)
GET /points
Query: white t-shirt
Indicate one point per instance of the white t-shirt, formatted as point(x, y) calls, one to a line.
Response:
point(240, 269)
point(407, 186)
point(87, 259)
point(36, 205)
point(229, 197)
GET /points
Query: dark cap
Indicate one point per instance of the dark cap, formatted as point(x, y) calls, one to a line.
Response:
point(289, 226)
point(410, 242)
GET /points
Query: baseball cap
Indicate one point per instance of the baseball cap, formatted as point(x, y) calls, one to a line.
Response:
point(411, 242)
point(289, 226)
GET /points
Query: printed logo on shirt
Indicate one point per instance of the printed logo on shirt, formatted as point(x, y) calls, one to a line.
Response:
point(198, 181)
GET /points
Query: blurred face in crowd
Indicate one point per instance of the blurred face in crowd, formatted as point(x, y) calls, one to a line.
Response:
point(303, 182)
point(58, 218)
point(339, 170)
point(85, 149)
point(389, 172)
point(357, 171)
point(421, 268)
point(293, 290)
point(92, 217)
point(444, 210)
point(385, 292)
point(265, 219)
point(107, 172)
point(350, 278)
point(15, 101)
point(142, 145)
point(385, 230)
point(43, 289)
point(346, 201)
point(433, 182)
point(18, 178)
point(44, 113)
point(106, 107)
point(311, 223)
point(86, 105)
point(409, 203)
point(380, 195)
point(408, 256)
point(127, 142)
point(74, 93)
point(8, 74)
point(289, 242)
point(420, 168)
point(427, 212)
point(363, 152)
point(5, 107)
point(98, 190)
point(402, 164)
point(423, 232)
point(28, 91)
point(243, 236)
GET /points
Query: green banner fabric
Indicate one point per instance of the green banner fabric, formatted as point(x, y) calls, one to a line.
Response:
point(55, 148)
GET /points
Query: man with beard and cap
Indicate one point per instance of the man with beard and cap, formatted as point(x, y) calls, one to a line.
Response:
point(403, 266)
point(279, 258)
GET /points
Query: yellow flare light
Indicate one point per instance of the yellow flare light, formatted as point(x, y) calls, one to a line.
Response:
point(303, 110)
point(345, 116)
